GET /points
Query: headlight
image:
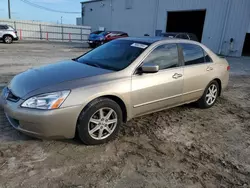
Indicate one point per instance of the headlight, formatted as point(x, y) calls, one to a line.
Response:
point(46, 101)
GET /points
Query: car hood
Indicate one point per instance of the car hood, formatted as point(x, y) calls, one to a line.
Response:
point(49, 75)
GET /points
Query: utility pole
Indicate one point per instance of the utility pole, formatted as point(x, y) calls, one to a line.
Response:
point(61, 20)
point(9, 9)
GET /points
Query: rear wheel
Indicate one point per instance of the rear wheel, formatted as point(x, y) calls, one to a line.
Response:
point(210, 95)
point(7, 39)
point(100, 122)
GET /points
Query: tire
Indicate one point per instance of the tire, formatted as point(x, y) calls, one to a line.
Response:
point(100, 43)
point(204, 101)
point(91, 124)
point(7, 39)
point(92, 45)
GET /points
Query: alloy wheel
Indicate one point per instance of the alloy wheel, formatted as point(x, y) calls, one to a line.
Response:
point(102, 123)
point(8, 39)
point(212, 94)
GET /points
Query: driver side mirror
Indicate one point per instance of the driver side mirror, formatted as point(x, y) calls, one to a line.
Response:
point(149, 68)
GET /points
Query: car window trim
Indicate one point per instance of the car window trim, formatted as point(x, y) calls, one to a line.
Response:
point(141, 62)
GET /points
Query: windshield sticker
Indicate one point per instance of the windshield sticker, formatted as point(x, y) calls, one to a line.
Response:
point(137, 45)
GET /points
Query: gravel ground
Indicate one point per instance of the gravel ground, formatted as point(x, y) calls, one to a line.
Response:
point(181, 147)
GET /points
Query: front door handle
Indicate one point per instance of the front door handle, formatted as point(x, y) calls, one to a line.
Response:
point(176, 76)
point(210, 68)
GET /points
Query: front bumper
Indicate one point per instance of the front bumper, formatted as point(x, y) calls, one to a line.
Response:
point(95, 42)
point(51, 124)
point(16, 39)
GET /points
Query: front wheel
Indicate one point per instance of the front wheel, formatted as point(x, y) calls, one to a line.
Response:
point(210, 95)
point(100, 122)
point(7, 39)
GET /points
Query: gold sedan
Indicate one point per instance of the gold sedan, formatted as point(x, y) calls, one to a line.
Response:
point(94, 94)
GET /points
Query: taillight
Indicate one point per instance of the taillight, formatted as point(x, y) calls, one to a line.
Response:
point(228, 68)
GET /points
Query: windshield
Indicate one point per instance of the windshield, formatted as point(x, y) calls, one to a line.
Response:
point(103, 33)
point(115, 55)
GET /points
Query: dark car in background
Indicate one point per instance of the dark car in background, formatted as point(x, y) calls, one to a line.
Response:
point(98, 38)
point(187, 36)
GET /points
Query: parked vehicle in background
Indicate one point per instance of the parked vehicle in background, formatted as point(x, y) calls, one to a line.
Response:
point(94, 94)
point(187, 36)
point(98, 38)
point(8, 34)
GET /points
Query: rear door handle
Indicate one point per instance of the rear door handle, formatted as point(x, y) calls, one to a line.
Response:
point(210, 68)
point(176, 76)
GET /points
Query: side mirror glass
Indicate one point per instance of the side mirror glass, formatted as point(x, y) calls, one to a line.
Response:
point(149, 68)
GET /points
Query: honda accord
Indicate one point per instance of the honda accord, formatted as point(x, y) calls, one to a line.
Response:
point(92, 95)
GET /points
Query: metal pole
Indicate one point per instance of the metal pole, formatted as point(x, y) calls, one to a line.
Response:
point(9, 9)
point(41, 35)
point(62, 33)
point(81, 34)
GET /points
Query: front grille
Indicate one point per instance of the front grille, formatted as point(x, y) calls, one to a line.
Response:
point(11, 96)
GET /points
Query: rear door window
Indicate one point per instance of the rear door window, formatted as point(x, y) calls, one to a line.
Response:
point(193, 54)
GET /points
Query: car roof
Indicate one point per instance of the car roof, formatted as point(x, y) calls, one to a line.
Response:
point(149, 40)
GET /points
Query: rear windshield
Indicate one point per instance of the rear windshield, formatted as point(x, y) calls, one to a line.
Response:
point(115, 55)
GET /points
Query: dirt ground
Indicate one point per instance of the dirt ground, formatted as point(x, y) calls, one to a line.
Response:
point(181, 147)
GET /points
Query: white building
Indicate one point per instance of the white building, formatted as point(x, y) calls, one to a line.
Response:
point(222, 25)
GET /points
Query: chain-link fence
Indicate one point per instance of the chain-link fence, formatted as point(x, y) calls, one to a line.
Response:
point(48, 31)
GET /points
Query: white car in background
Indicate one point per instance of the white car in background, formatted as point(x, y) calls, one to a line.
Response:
point(8, 34)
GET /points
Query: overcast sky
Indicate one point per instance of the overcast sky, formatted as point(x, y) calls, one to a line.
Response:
point(23, 11)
